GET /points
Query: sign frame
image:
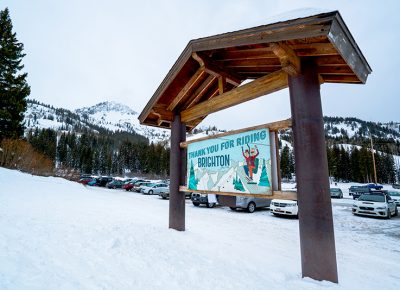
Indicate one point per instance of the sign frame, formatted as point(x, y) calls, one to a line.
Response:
point(275, 178)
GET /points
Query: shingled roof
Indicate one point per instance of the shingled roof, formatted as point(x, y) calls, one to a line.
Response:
point(218, 65)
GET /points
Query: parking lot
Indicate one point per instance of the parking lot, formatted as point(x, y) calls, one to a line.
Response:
point(56, 233)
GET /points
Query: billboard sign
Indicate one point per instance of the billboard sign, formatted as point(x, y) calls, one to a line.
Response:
point(238, 163)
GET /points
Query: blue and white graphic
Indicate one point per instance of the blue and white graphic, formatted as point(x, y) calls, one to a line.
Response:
point(237, 163)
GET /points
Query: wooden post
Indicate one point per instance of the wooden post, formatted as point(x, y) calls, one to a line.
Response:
point(274, 161)
point(317, 241)
point(177, 175)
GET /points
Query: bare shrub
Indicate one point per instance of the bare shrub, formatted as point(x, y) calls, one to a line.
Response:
point(19, 154)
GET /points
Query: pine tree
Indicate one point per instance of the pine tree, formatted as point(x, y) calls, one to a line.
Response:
point(192, 178)
point(13, 86)
point(285, 163)
point(264, 181)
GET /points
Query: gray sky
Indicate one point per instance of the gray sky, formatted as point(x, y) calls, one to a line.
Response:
point(81, 52)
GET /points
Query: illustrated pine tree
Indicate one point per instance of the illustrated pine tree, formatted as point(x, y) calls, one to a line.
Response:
point(238, 185)
point(264, 180)
point(192, 178)
point(13, 85)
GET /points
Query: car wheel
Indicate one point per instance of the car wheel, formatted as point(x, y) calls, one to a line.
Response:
point(196, 203)
point(389, 214)
point(164, 197)
point(396, 212)
point(150, 192)
point(341, 196)
point(210, 204)
point(251, 207)
point(233, 208)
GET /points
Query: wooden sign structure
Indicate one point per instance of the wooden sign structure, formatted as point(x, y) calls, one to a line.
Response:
point(232, 177)
point(301, 54)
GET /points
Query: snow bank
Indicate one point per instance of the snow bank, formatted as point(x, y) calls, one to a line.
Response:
point(56, 234)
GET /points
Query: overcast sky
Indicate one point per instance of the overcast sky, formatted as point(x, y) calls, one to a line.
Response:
point(81, 52)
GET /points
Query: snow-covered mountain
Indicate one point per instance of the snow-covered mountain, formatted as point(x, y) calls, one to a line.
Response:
point(353, 128)
point(110, 116)
point(114, 116)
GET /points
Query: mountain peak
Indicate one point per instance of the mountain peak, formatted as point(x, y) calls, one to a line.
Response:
point(107, 106)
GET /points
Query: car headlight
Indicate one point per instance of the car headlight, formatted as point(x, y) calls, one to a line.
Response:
point(354, 205)
point(381, 207)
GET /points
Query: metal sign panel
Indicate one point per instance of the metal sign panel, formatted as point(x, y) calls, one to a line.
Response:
point(238, 163)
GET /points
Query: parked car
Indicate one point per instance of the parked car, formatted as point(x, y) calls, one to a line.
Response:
point(153, 188)
point(336, 192)
point(116, 183)
point(164, 193)
point(375, 203)
point(129, 185)
point(103, 180)
point(357, 191)
point(351, 188)
point(199, 198)
point(395, 195)
point(374, 186)
point(137, 186)
point(250, 203)
point(93, 182)
point(396, 186)
point(284, 207)
point(85, 180)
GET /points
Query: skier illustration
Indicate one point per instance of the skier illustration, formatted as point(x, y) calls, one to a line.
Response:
point(250, 156)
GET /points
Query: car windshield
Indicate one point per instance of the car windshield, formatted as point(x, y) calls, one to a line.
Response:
point(372, 197)
point(394, 193)
point(335, 189)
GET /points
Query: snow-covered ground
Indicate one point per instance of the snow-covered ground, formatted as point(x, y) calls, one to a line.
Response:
point(56, 234)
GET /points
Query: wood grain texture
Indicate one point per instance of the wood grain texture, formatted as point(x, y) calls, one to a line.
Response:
point(290, 62)
point(259, 87)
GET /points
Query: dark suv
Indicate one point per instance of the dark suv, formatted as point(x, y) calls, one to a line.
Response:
point(356, 191)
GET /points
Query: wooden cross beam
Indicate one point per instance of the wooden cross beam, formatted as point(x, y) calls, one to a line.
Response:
point(264, 85)
point(200, 91)
point(289, 60)
point(164, 115)
point(214, 69)
point(187, 88)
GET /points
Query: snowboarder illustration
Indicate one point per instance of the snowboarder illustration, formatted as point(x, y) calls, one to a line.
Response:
point(250, 157)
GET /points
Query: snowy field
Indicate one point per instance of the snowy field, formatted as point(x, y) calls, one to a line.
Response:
point(56, 234)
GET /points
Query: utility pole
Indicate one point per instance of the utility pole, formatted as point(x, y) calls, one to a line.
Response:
point(373, 158)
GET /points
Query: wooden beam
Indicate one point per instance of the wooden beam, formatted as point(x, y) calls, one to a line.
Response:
point(314, 49)
point(289, 60)
point(257, 88)
point(330, 60)
point(187, 88)
point(200, 91)
point(164, 115)
point(335, 70)
point(214, 69)
point(221, 85)
point(341, 79)
point(272, 127)
point(243, 63)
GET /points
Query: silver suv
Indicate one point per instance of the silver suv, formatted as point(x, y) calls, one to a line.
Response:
point(244, 202)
